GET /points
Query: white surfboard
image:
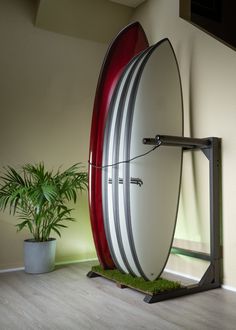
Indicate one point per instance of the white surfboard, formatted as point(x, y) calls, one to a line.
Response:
point(109, 205)
point(150, 210)
point(117, 173)
point(140, 198)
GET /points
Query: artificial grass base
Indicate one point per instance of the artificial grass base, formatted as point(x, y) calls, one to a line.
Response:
point(138, 283)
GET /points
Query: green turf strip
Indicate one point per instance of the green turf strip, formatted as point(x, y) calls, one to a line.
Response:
point(152, 287)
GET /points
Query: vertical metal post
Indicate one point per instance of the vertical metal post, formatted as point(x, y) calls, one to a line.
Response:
point(213, 155)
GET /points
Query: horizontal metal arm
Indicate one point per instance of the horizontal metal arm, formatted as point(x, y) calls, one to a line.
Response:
point(191, 253)
point(178, 141)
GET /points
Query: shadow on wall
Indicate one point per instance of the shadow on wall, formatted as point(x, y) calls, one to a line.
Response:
point(26, 8)
point(192, 223)
point(11, 251)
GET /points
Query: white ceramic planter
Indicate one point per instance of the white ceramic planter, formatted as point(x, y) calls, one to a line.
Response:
point(39, 257)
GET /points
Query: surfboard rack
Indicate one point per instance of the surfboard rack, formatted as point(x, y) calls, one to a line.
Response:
point(211, 147)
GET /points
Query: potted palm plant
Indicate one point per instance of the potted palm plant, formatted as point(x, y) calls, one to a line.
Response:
point(40, 199)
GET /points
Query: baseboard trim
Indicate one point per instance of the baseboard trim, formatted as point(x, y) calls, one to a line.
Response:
point(190, 277)
point(229, 288)
point(74, 261)
point(60, 263)
point(9, 270)
point(226, 287)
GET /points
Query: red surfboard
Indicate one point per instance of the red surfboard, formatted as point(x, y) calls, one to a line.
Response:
point(128, 43)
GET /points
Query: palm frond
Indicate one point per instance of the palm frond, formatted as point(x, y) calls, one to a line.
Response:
point(39, 198)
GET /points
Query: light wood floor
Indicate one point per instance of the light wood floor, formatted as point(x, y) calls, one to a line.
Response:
point(66, 299)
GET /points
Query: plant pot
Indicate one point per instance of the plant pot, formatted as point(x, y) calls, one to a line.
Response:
point(39, 257)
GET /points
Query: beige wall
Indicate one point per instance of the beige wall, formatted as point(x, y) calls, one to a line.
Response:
point(97, 20)
point(208, 70)
point(47, 85)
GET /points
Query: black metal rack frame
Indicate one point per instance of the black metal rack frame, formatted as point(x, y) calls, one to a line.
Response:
point(211, 147)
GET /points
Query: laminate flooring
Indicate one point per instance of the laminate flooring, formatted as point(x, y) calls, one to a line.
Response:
point(66, 299)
